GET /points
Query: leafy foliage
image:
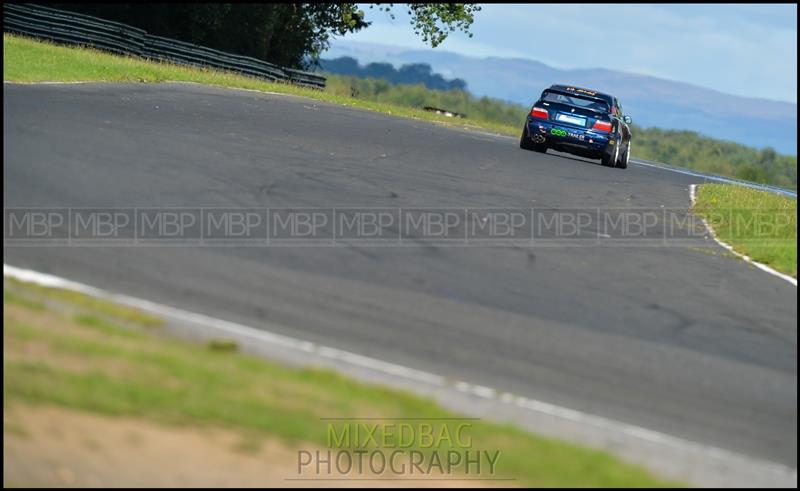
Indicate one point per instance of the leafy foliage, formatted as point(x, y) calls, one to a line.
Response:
point(290, 34)
point(435, 21)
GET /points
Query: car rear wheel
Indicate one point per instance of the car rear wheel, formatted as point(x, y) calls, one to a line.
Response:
point(526, 143)
point(610, 160)
point(622, 163)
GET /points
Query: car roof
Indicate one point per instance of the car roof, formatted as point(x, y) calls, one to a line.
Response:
point(571, 89)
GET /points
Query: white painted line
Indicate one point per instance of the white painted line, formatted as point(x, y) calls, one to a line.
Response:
point(726, 180)
point(483, 392)
point(763, 267)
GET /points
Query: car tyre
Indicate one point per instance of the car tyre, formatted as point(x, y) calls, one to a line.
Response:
point(525, 143)
point(610, 160)
point(622, 163)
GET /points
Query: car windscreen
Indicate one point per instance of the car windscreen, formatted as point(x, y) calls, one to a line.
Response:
point(574, 100)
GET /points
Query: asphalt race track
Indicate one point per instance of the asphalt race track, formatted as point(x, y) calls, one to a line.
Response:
point(679, 339)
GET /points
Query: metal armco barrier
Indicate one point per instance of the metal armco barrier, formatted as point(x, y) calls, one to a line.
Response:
point(71, 28)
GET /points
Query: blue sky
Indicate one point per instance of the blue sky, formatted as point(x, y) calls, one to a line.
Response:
point(741, 49)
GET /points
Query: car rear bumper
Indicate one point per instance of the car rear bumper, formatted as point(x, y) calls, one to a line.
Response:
point(570, 137)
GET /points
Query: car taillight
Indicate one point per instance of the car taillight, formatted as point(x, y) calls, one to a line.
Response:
point(602, 126)
point(538, 112)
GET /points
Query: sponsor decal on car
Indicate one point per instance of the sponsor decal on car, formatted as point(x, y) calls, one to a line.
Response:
point(563, 133)
point(582, 91)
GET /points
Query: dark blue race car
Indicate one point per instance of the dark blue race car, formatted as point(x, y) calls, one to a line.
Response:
point(581, 122)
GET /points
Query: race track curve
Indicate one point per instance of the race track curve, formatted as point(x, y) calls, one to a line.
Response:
point(677, 338)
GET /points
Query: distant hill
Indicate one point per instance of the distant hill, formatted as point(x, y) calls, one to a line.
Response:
point(650, 101)
point(413, 73)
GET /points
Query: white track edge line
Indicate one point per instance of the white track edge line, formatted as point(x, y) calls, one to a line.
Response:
point(729, 248)
point(533, 405)
point(722, 179)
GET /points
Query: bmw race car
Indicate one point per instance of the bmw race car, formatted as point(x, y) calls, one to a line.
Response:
point(581, 122)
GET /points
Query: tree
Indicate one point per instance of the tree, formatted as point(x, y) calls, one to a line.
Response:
point(414, 73)
point(435, 21)
point(380, 70)
point(289, 34)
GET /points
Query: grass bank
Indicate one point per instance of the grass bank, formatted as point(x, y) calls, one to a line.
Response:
point(63, 349)
point(28, 60)
point(756, 223)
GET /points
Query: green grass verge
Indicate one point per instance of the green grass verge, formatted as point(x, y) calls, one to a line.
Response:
point(759, 224)
point(28, 60)
point(60, 349)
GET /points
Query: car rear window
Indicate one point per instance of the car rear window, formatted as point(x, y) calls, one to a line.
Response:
point(576, 101)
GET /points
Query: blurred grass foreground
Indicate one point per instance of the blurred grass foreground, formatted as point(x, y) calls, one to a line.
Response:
point(98, 394)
